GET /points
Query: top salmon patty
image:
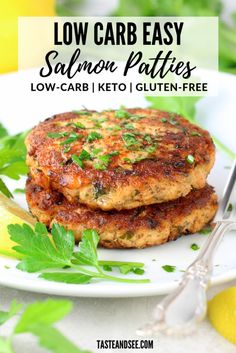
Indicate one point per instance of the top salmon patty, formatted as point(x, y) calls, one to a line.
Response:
point(120, 159)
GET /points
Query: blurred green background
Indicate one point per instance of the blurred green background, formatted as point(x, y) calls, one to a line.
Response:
point(227, 31)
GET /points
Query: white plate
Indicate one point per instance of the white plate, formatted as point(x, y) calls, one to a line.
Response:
point(26, 110)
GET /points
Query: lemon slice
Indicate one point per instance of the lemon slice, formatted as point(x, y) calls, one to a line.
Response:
point(222, 313)
point(10, 213)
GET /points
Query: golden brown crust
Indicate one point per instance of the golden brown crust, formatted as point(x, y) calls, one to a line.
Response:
point(158, 175)
point(136, 228)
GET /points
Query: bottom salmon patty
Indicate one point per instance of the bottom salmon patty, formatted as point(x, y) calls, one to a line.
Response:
point(137, 228)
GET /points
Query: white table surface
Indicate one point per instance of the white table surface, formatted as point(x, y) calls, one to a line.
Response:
point(93, 319)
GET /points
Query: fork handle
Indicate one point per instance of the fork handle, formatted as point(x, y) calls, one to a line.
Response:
point(176, 308)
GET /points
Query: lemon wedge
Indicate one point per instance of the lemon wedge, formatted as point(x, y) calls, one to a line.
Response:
point(222, 313)
point(10, 213)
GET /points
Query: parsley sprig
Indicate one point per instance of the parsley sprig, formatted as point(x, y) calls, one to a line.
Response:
point(43, 253)
point(38, 319)
point(12, 158)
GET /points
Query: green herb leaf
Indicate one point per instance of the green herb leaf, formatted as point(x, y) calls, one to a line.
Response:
point(190, 159)
point(87, 251)
point(124, 269)
point(66, 277)
point(72, 138)
point(129, 139)
point(93, 136)
point(56, 135)
point(122, 114)
point(12, 158)
point(107, 268)
point(44, 313)
point(40, 252)
point(163, 120)
point(195, 133)
point(138, 271)
point(99, 166)
point(84, 156)
point(195, 247)
point(95, 151)
point(129, 127)
point(169, 268)
point(181, 105)
point(205, 230)
point(151, 149)
point(77, 125)
point(19, 191)
point(82, 112)
point(4, 189)
point(3, 131)
point(64, 241)
point(53, 339)
point(104, 160)
point(76, 159)
point(37, 248)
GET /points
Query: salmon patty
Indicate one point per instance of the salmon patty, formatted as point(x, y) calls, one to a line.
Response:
point(120, 159)
point(137, 228)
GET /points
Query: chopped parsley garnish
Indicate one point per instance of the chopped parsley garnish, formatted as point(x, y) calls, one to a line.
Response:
point(95, 151)
point(147, 138)
point(172, 121)
point(94, 135)
point(100, 120)
point(122, 114)
point(127, 160)
point(129, 139)
point(77, 160)
point(82, 112)
point(77, 124)
point(129, 127)
point(195, 247)
point(195, 133)
point(135, 117)
point(84, 156)
point(138, 271)
point(169, 268)
point(72, 138)
point(66, 149)
point(19, 191)
point(205, 230)
point(163, 120)
point(100, 166)
point(151, 149)
point(230, 208)
point(190, 159)
point(57, 135)
point(114, 127)
point(104, 160)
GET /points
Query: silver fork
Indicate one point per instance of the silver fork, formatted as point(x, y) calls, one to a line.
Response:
point(180, 311)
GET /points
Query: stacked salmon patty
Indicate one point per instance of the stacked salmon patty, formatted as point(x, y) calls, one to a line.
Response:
point(137, 176)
